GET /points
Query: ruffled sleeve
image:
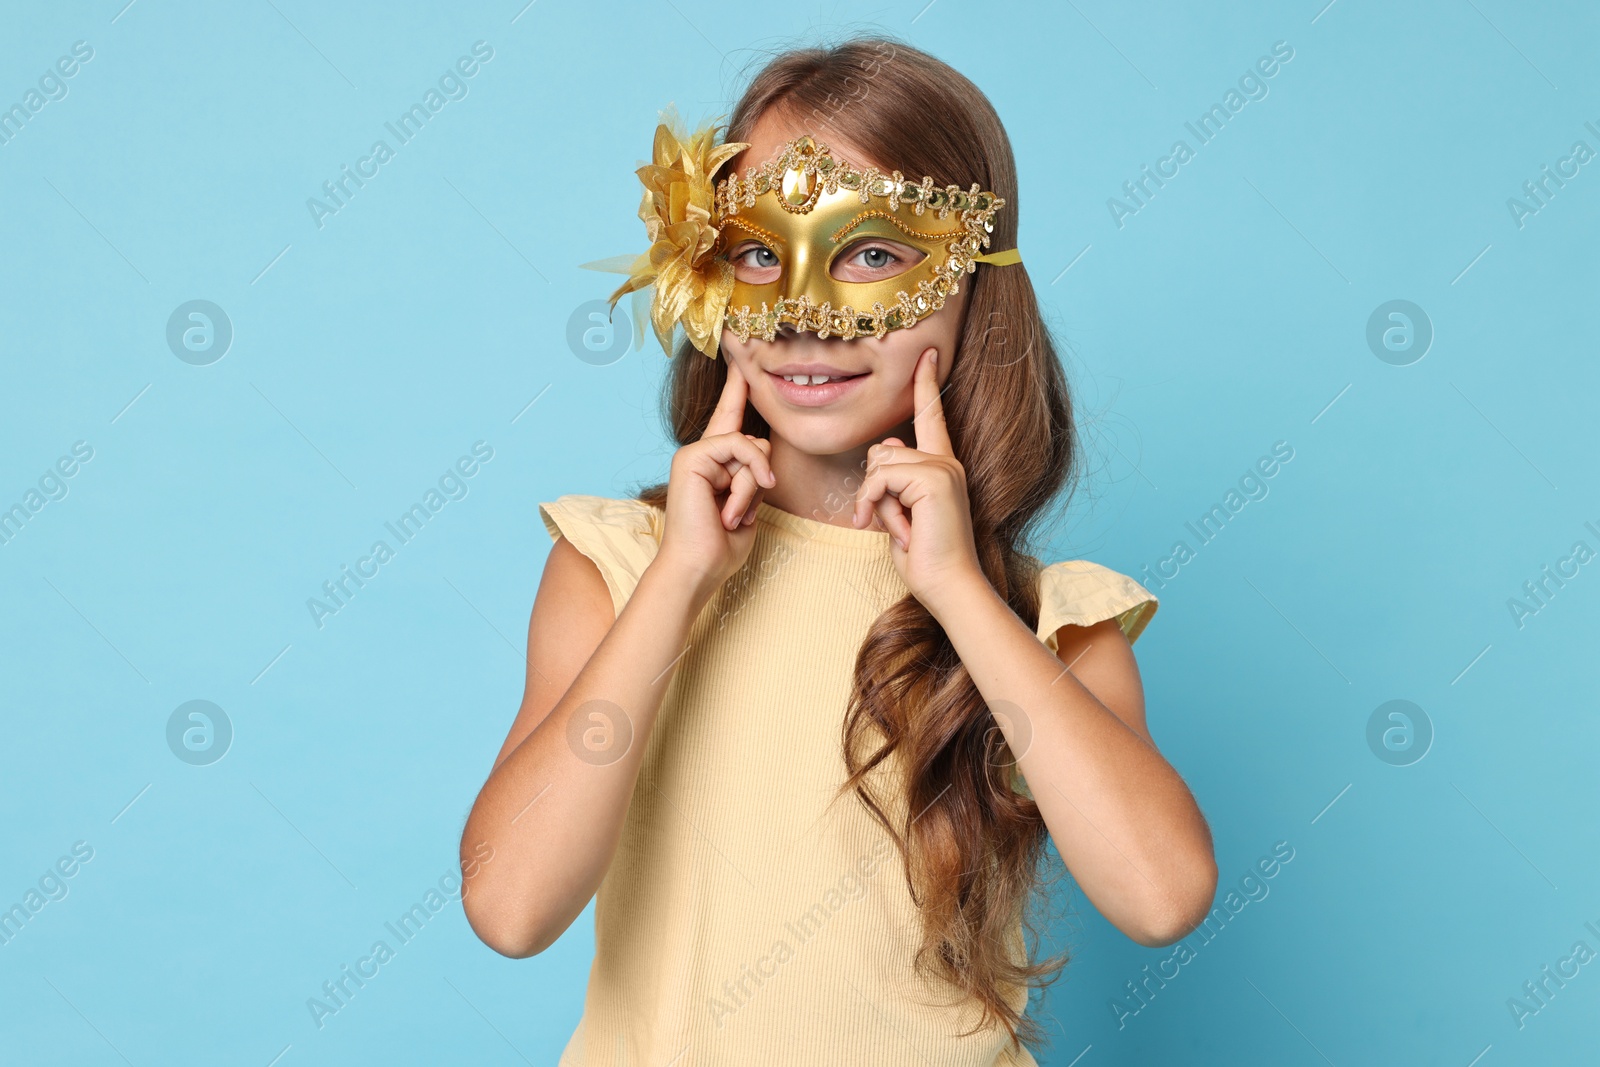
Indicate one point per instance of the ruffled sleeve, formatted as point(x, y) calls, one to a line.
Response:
point(621, 536)
point(1076, 592)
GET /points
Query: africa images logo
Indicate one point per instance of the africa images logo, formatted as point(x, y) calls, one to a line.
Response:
point(452, 86)
point(452, 485)
point(1205, 128)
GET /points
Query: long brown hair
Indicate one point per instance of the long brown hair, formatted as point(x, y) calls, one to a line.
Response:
point(974, 850)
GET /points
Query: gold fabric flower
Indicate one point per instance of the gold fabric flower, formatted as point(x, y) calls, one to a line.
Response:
point(692, 285)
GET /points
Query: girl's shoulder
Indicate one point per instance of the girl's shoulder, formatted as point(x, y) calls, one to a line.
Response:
point(620, 534)
point(1076, 592)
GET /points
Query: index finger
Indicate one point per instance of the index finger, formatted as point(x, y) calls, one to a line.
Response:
point(932, 435)
point(729, 414)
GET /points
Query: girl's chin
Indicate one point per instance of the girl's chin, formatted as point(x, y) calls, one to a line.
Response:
point(822, 436)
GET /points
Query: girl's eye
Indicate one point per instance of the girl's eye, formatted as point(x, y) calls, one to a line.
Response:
point(875, 259)
point(755, 264)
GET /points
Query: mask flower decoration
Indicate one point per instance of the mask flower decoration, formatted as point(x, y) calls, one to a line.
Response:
point(691, 282)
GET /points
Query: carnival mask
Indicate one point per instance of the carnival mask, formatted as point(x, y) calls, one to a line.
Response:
point(792, 223)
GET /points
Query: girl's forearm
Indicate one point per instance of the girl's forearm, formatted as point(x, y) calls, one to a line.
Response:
point(1123, 820)
point(552, 810)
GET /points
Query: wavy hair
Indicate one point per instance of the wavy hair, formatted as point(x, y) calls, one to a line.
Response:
point(974, 853)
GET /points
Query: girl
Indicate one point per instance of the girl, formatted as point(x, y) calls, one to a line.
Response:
point(802, 718)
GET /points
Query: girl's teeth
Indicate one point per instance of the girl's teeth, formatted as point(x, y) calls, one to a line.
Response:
point(801, 379)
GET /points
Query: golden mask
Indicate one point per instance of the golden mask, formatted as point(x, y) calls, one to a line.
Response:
point(807, 210)
point(810, 212)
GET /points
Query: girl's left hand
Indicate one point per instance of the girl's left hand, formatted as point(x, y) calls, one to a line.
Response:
point(920, 496)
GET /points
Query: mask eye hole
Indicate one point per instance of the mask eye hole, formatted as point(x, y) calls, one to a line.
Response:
point(873, 259)
point(754, 263)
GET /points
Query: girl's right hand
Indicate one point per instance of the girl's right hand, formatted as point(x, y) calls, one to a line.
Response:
point(712, 493)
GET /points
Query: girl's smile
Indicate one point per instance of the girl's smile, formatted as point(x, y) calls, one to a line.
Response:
point(815, 384)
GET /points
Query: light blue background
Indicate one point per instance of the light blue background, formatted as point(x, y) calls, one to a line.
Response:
point(1228, 314)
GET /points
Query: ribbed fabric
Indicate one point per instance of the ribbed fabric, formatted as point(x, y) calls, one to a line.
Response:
point(748, 917)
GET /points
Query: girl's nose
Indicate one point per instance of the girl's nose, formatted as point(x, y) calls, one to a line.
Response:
point(803, 271)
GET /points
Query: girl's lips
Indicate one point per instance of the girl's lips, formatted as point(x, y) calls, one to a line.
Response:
point(814, 395)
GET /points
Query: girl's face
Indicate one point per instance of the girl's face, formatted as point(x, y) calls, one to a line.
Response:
point(876, 399)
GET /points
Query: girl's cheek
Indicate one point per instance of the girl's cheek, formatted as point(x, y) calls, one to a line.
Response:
point(744, 360)
point(737, 350)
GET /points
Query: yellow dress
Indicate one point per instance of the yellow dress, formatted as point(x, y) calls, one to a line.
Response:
point(745, 920)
